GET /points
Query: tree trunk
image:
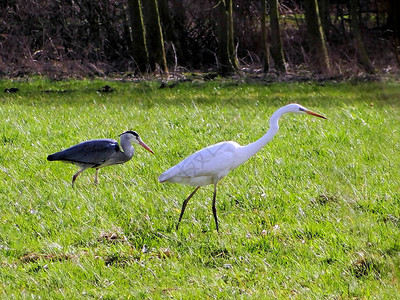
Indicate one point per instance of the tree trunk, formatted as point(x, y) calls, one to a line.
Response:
point(179, 18)
point(226, 47)
point(276, 40)
point(316, 38)
point(231, 37)
point(362, 55)
point(394, 17)
point(139, 49)
point(168, 25)
point(264, 42)
point(323, 6)
point(154, 36)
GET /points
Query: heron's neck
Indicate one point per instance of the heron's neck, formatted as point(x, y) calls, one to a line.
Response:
point(252, 148)
point(127, 148)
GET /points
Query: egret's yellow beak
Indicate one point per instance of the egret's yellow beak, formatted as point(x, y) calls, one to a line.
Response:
point(314, 114)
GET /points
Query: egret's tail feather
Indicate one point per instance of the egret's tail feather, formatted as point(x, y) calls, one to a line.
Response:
point(162, 178)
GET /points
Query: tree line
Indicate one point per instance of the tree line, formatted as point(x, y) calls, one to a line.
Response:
point(324, 37)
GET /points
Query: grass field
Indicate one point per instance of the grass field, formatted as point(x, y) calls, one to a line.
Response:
point(314, 215)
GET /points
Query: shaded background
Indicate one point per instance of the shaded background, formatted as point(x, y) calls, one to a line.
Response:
point(80, 38)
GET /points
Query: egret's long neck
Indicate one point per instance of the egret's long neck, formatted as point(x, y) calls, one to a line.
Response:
point(249, 150)
point(127, 148)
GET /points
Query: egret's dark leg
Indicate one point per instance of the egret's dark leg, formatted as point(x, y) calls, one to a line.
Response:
point(213, 206)
point(184, 205)
point(76, 175)
point(95, 176)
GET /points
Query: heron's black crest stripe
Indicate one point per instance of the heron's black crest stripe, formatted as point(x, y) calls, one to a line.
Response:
point(301, 109)
point(132, 132)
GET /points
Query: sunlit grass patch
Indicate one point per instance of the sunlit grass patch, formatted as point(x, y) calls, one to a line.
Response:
point(315, 214)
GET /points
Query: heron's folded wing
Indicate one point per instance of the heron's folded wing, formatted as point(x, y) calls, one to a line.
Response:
point(90, 152)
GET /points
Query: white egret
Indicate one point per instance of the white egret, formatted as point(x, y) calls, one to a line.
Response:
point(211, 164)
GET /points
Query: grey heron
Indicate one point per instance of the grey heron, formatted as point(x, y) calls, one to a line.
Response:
point(211, 164)
point(100, 153)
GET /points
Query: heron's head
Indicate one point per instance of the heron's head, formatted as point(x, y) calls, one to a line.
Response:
point(134, 137)
point(297, 108)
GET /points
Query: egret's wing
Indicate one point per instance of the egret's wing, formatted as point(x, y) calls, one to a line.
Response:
point(93, 152)
point(209, 161)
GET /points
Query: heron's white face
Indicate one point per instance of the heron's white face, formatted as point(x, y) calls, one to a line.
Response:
point(134, 137)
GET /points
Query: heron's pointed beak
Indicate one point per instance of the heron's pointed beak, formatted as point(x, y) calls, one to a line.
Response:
point(146, 147)
point(314, 114)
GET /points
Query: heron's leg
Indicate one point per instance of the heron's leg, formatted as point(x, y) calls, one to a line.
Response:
point(76, 175)
point(213, 207)
point(184, 205)
point(95, 176)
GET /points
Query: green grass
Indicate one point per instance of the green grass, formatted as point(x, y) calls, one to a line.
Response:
point(315, 214)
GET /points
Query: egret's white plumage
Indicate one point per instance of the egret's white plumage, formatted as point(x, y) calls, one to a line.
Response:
point(211, 164)
point(206, 166)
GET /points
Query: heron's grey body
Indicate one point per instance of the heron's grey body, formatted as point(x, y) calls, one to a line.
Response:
point(94, 154)
point(99, 153)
